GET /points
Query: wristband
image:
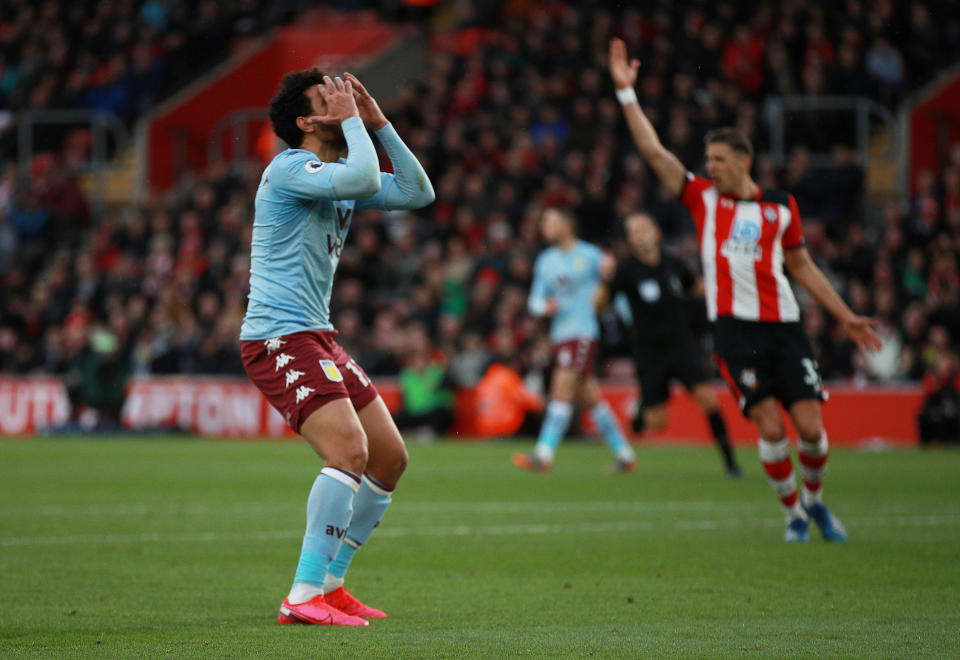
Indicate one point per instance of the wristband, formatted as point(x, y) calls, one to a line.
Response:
point(627, 95)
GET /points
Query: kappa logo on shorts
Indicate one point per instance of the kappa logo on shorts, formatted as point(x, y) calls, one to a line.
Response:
point(303, 392)
point(293, 376)
point(282, 360)
point(331, 371)
point(273, 344)
point(749, 378)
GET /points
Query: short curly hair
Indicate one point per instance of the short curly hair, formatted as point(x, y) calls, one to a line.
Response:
point(291, 102)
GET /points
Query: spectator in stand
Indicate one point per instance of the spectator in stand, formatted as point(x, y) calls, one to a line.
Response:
point(470, 361)
point(885, 64)
point(939, 419)
point(426, 390)
point(743, 60)
point(96, 378)
point(887, 363)
point(505, 405)
point(8, 243)
point(115, 56)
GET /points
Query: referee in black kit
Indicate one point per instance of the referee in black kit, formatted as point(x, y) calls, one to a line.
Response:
point(658, 287)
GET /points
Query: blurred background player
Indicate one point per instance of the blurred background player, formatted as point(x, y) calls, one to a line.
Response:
point(746, 236)
point(565, 280)
point(657, 287)
point(304, 205)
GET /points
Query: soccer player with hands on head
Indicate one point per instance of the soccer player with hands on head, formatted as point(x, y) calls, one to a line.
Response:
point(749, 239)
point(307, 198)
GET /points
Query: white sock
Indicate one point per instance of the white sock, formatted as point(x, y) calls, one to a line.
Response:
point(812, 468)
point(810, 498)
point(301, 592)
point(331, 583)
point(544, 454)
point(793, 512)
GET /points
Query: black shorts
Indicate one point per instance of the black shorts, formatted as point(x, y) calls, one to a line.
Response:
point(657, 366)
point(763, 359)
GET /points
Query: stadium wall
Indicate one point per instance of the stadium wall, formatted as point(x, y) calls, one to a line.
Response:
point(228, 407)
point(933, 119)
point(177, 134)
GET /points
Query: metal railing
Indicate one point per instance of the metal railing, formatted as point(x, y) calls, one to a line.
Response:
point(863, 111)
point(103, 126)
point(236, 125)
point(777, 107)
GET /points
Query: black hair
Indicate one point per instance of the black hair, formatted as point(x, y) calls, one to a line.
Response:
point(291, 102)
point(734, 137)
point(642, 211)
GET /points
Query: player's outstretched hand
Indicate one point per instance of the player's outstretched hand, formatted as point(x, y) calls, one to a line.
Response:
point(623, 72)
point(860, 330)
point(338, 95)
point(371, 114)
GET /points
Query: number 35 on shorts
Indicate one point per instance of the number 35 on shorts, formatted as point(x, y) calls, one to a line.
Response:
point(812, 376)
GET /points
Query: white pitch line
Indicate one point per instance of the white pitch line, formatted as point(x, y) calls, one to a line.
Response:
point(119, 510)
point(520, 529)
point(583, 506)
point(400, 506)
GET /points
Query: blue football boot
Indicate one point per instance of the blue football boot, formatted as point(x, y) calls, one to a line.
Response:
point(796, 531)
point(830, 526)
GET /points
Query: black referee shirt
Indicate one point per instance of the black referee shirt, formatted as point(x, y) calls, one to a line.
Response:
point(658, 297)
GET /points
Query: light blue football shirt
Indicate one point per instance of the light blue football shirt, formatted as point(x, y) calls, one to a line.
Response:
point(571, 278)
point(301, 222)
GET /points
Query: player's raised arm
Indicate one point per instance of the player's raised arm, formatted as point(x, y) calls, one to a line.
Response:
point(668, 167)
point(409, 186)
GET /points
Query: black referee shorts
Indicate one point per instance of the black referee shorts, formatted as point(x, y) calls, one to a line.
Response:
point(657, 366)
point(762, 359)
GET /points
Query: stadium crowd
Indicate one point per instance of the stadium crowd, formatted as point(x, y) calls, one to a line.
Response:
point(121, 56)
point(515, 112)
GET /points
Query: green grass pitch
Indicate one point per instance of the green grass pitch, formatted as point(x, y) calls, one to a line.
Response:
point(176, 547)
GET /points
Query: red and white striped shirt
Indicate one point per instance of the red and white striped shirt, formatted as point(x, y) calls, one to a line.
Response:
point(741, 246)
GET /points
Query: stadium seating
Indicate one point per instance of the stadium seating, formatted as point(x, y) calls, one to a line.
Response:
point(515, 111)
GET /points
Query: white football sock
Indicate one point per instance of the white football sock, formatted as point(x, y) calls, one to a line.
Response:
point(301, 592)
point(331, 583)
